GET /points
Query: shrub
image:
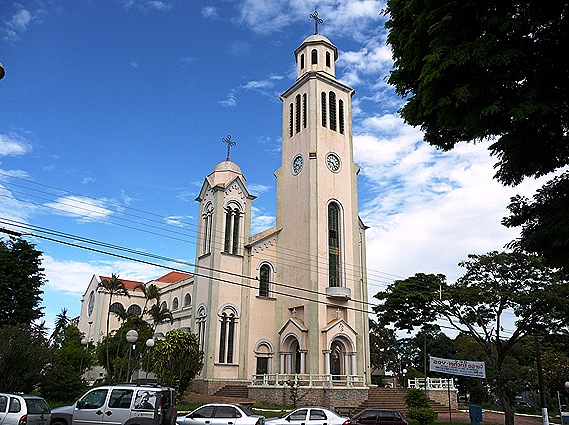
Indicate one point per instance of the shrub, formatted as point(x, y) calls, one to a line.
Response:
point(418, 407)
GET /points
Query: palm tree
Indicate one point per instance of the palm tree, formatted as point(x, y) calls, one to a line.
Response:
point(151, 292)
point(159, 314)
point(62, 320)
point(112, 286)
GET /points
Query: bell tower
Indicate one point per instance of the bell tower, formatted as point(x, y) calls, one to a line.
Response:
point(322, 240)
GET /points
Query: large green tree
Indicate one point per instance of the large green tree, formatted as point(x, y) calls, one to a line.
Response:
point(474, 70)
point(62, 379)
point(493, 286)
point(177, 359)
point(21, 278)
point(24, 354)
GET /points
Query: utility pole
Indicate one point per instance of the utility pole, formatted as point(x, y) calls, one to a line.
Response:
point(543, 402)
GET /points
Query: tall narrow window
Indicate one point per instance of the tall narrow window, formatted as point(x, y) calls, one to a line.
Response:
point(222, 338)
point(302, 61)
point(200, 324)
point(207, 220)
point(264, 277)
point(232, 229)
point(323, 109)
point(341, 115)
point(236, 222)
point(332, 106)
point(227, 336)
point(297, 127)
point(314, 57)
point(334, 252)
point(328, 59)
point(304, 110)
point(291, 115)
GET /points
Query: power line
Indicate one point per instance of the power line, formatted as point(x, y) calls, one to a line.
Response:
point(290, 255)
point(169, 267)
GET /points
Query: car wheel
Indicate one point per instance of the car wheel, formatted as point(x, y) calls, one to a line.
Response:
point(59, 422)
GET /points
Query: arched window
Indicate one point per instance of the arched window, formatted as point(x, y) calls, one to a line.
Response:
point(200, 325)
point(175, 303)
point(291, 116)
point(304, 110)
point(334, 245)
point(187, 300)
point(302, 61)
point(263, 353)
point(314, 60)
point(328, 59)
point(116, 307)
point(341, 115)
point(207, 219)
point(163, 306)
point(323, 97)
point(232, 224)
point(332, 102)
point(134, 310)
point(228, 320)
point(264, 280)
point(91, 303)
point(297, 127)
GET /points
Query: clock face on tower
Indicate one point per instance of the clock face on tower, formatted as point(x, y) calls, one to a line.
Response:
point(333, 162)
point(297, 164)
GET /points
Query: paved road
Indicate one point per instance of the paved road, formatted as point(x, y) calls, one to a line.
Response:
point(489, 417)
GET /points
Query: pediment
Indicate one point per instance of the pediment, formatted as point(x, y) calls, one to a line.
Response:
point(293, 325)
point(339, 326)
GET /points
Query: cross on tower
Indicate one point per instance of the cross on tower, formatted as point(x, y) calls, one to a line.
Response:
point(229, 144)
point(317, 20)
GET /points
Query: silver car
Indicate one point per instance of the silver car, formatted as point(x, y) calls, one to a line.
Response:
point(310, 416)
point(20, 409)
point(221, 414)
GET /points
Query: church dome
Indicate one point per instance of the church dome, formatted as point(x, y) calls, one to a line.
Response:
point(227, 166)
point(316, 37)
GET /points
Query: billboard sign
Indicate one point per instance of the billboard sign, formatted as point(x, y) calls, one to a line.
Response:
point(458, 367)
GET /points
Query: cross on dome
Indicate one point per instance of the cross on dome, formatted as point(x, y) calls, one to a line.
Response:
point(317, 20)
point(229, 144)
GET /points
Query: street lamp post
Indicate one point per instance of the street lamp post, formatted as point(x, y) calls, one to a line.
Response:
point(131, 337)
point(84, 343)
point(149, 344)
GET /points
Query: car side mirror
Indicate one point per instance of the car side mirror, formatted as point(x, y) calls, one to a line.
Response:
point(80, 404)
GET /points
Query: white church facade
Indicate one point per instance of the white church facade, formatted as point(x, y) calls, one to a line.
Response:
point(290, 301)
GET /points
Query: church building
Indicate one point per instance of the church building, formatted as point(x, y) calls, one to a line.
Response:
point(289, 303)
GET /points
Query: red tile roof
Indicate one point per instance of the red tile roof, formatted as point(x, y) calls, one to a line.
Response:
point(173, 277)
point(128, 284)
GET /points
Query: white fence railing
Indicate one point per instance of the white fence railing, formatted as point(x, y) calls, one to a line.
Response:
point(432, 383)
point(308, 380)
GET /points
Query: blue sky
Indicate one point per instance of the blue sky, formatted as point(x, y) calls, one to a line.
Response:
point(113, 112)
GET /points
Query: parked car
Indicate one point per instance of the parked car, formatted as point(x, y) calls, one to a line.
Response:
point(20, 409)
point(120, 404)
point(221, 414)
point(310, 416)
point(379, 417)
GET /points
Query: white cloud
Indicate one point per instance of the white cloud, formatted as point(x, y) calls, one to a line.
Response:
point(72, 277)
point(260, 220)
point(12, 145)
point(209, 12)
point(257, 189)
point(230, 100)
point(178, 220)
point(428, 209)
point(84, 208)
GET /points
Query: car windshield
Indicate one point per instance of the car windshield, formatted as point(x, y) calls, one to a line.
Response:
point(37, 405)
point(245, 410)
